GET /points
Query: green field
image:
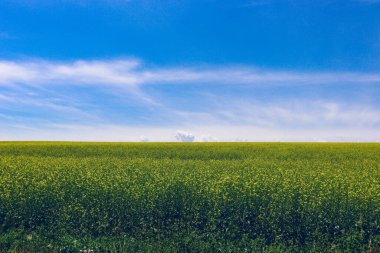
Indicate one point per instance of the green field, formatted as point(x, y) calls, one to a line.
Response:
point(195, 197)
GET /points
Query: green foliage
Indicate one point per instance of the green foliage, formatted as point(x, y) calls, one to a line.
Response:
point(194, 197)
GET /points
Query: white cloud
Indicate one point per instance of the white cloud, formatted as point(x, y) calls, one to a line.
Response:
point(31, 86)
point(184, 136)
point(299, 113)
point(288, 114)
point(115, 72)
point(208, 138)
point(143, 138)
point(131, 73)
point(225, 133)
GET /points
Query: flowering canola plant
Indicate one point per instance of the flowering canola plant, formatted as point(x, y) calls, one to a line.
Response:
point(193, 197)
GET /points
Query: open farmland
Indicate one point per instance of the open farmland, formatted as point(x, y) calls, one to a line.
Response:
point(201, 197)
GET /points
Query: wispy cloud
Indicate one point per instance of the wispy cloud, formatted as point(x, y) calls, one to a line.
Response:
point(302, 121)
point(74, 99)
point(297, 114)
point(223, 133)
point(131, 73)
point(116, 72)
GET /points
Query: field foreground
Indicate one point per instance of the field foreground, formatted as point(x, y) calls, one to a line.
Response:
point(195, 197)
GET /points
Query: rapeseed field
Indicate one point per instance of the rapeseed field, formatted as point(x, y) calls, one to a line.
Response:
point(193, 197)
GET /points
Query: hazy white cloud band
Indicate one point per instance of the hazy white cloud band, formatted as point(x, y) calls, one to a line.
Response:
point(170, 134)
point(133, 72)
point(36, 103)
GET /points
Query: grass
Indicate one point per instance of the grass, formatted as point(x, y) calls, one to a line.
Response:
point(195, 197)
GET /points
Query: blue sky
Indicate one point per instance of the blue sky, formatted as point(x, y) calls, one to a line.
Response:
point(256, 70)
